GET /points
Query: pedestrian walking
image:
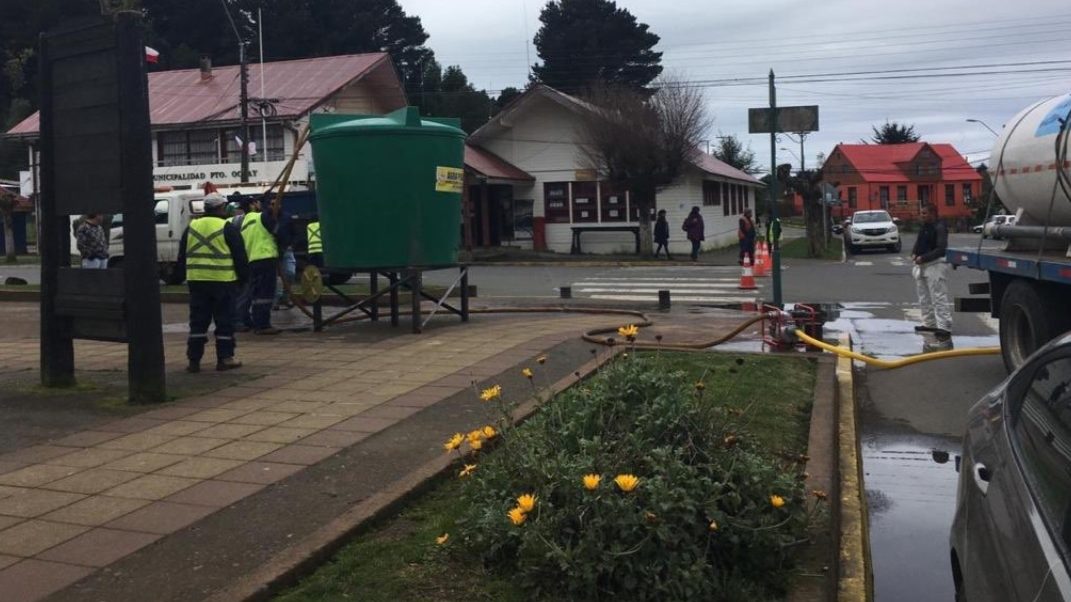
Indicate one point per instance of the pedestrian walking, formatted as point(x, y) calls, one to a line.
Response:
point(693, 226)
point(213, 262)
point(661, 234)
point(931, 277)
point(254, 305)
point(91, 242)
point(745, 233)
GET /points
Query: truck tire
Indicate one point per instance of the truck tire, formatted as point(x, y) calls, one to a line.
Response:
point(1029, 318)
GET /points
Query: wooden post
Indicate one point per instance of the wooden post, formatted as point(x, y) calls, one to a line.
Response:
point(145, 360)
point(485, 218)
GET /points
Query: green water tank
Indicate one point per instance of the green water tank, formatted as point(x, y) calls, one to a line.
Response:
point(388, 189)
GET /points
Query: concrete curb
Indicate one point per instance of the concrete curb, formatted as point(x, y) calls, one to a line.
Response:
point(303, 557)
point(854, 579)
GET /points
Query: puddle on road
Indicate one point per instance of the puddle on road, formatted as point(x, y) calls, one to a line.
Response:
point(911, 493)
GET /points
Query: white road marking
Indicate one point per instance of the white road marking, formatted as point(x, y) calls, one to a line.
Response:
point(652, 298)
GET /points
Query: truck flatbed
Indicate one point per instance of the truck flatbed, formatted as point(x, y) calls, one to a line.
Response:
point(1049, 267)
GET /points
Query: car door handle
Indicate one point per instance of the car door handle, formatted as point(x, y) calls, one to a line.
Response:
point(981, 477)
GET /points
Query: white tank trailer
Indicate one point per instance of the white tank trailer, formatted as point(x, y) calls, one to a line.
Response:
point(1031, 170)
point(1028, 285)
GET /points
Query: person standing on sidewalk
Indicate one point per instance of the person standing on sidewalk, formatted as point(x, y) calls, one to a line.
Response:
point(693, 225)
point(661, 234)
point(257, 228)
point(213, 262)
point(315, 242)
point(745, 233)
point(91, 242)
point(931, 277)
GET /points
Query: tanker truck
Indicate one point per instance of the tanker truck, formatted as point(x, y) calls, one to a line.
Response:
point(1029, 279)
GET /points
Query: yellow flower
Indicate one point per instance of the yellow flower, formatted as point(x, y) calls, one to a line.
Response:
point(591, 481)
point(475, 435)
point(527, 372)
point(517, 516)
point(777, 501)
point(476, 445)
point(526, 502)
point(489, 432)
point(699, 386)
point(491, 393)
point(626, 482)
point(541, 360)
point(467, 470)
point(453, 442)
point(713, 526)
point(629, 332)
point(442, 538)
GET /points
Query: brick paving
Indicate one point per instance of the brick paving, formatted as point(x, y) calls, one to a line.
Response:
point(84, 501)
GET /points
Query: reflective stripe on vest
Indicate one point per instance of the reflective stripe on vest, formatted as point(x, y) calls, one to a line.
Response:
point(259, 243)
point(208, 258)
point(316, 243)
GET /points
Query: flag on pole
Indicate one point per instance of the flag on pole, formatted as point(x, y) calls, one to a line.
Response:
point(152, 55)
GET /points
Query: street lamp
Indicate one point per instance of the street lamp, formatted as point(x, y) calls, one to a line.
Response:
point(985, 125)
point(793, 153)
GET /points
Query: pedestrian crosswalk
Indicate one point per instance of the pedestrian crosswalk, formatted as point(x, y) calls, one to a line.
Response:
point(718, 285)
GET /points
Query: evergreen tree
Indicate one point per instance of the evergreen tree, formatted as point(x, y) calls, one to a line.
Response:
point(586, 42)
point(894, 133)
point(731, 151)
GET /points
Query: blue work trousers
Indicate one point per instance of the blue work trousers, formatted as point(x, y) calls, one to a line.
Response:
point(262, 292)
point(211, 302)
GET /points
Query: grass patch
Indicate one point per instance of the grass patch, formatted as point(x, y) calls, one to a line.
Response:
point(796, 248)
point(398, 558)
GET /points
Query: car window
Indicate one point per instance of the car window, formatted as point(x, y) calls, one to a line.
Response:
point(1042, 435)
point(866, 218)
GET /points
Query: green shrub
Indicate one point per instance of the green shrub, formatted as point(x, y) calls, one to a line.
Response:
point(700, 525)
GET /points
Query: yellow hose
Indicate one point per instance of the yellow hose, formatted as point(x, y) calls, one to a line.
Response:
point(892, 364)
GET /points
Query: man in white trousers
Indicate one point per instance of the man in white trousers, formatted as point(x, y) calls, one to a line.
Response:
point(931, 278)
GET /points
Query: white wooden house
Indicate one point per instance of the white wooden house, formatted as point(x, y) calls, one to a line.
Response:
point(530, 186)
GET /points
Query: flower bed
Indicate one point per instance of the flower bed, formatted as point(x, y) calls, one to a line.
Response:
point(666, 476)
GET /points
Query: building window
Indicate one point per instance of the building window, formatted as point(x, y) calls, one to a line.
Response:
point(853, 197)
point(924, 194)
point(275, 148)
point(612, 203)
point(883, 196)
point(745, 193)
point(726, 205)
point(172, 149)
point(901, 194)
point(585, 202)
point(968, 194)
point(556, 202)
point(711, 193)
point(950, 195)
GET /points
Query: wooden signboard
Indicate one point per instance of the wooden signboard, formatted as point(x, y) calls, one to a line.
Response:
point(95, 128)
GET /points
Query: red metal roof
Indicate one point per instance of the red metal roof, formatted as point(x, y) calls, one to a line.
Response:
point(486, 163)
point(889, 162)
point(182, 97)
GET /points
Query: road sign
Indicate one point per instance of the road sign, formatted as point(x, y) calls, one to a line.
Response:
point(789, 119)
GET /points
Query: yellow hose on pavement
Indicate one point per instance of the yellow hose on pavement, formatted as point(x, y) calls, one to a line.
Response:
point(892, 364)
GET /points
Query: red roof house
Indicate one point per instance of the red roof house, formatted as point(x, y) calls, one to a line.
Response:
point(900, 178)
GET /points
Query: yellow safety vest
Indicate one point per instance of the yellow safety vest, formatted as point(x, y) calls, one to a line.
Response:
point(316, 243)
point(208, 258)
point(259, 243)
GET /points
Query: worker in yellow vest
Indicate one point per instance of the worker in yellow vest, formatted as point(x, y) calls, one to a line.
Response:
point(213, 262)
point(258, 234)
point(315, 249)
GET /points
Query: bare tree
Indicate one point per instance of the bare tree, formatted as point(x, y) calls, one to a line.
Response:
point(643, 142)
point(7, 212)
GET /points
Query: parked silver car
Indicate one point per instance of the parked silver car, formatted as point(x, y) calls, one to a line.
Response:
point(1011, 537)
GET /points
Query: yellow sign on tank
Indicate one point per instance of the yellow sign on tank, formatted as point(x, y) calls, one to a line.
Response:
point(449, 179)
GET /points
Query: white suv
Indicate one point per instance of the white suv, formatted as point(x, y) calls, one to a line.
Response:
point(870, 229)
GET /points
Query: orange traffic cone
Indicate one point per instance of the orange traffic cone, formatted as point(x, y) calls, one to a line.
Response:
point(747, 279)
point(761, 265)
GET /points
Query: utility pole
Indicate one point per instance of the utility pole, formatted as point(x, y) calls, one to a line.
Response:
point(244, 77)
point(773, 194)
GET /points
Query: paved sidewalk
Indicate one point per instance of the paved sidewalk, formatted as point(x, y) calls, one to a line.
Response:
point(149, 488)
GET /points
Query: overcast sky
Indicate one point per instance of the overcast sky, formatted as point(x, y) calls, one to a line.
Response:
point(709, 42)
